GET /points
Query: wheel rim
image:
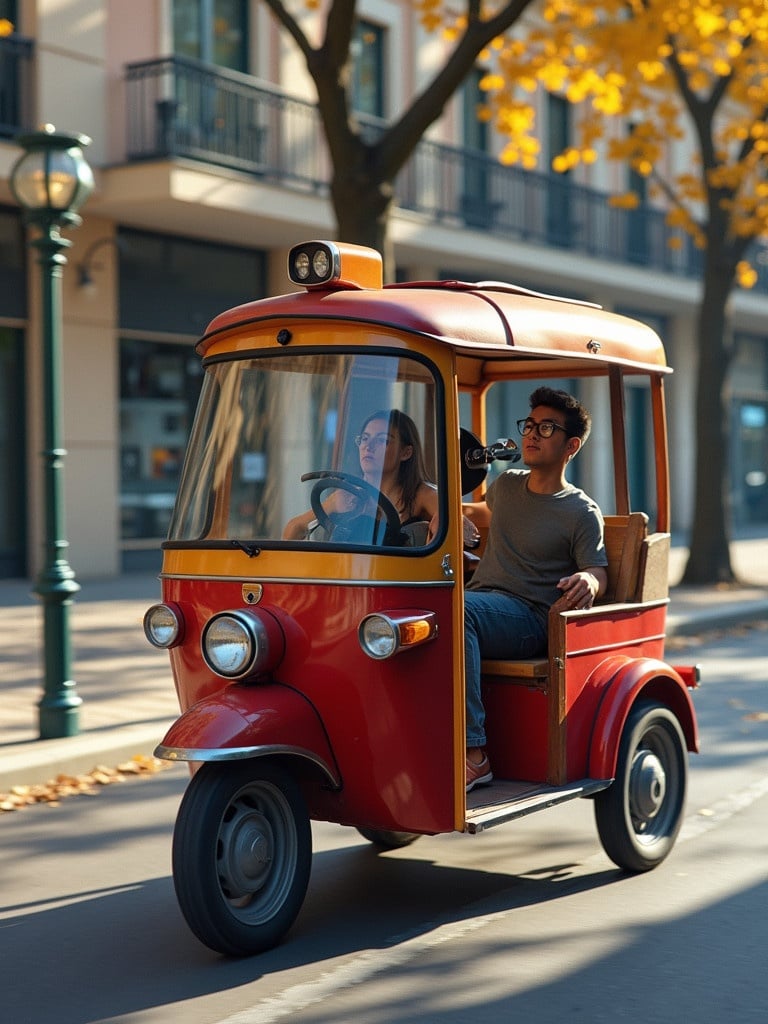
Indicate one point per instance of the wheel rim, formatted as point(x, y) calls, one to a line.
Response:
point(256, 852)
point(653, 788)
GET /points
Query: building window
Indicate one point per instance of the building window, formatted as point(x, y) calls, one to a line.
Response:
point(12, 448)
point(477, 208)
point(367, 89)
point(177, 285)
point(559, 227)
point(215, 31)
point(13, 272)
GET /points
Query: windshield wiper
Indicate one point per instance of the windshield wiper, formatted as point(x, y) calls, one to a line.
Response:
point(250, 549)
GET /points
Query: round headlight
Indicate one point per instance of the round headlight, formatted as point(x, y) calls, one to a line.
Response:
point(162, 625)
point(228, 645)
point(378, 636)
point(236, 644)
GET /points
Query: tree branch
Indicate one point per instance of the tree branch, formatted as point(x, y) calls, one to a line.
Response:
point(396, 146)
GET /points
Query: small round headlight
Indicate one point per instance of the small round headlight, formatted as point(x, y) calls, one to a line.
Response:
point(382, 634)
point(162, 625)
point(378, 636)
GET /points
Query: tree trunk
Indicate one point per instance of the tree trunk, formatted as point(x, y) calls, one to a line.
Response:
point(709, 560)
point(362, 206)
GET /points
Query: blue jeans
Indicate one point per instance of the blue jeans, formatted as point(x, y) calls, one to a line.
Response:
point(496, 625)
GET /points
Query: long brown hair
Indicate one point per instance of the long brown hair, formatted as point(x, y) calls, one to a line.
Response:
point(412, 472)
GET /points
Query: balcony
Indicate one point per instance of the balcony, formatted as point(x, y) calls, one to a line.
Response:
point(16, 107)
point(182, 108)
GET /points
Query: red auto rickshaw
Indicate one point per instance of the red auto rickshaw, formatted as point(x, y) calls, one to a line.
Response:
point(321, 677)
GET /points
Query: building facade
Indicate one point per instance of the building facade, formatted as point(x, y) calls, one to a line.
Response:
point(210, 164)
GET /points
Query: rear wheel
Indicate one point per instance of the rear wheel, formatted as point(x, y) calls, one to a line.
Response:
point(242, 850)
point(387, 840)
point(639, 815)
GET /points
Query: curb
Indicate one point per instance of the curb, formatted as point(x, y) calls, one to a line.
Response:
point(39, 761)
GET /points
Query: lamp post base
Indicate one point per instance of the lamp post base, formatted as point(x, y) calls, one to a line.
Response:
point(59, 707)
point(60, 718)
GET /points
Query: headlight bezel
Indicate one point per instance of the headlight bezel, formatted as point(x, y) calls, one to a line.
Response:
point(262, 642)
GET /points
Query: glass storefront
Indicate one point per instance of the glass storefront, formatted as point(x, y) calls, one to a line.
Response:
point(170, 289)
point(159, 384)
point(748, 382)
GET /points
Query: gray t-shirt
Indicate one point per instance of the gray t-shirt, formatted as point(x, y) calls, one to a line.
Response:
point(536, 539)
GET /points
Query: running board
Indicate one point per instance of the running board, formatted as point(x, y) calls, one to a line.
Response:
point(503, 801)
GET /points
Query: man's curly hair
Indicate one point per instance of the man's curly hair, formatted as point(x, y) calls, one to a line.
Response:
point(578, 422)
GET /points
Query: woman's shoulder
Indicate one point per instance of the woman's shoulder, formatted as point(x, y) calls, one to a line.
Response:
point(426, 498)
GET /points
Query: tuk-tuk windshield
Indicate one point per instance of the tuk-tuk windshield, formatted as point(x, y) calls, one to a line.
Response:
point(265, 422)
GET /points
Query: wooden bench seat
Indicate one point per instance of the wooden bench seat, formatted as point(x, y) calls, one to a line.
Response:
point(525, 668)
point(632, 556)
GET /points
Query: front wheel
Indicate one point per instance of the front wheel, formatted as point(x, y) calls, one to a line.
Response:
point(242, 851)
point(639, 815)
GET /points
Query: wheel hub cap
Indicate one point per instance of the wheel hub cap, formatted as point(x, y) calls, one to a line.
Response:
point(255, 852)
point(647, 784)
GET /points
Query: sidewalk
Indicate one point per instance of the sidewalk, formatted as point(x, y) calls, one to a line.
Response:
point(126, 685)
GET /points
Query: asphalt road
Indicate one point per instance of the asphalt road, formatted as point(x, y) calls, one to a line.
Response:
point(527, 922)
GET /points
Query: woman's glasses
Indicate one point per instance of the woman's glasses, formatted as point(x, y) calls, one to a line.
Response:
point(545, 428)
point(372, 440)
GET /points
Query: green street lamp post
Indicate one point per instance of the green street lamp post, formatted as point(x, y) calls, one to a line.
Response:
point(51, 180)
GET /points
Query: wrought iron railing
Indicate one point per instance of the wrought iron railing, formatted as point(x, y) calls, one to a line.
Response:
point(179, 107)
point(16, 105)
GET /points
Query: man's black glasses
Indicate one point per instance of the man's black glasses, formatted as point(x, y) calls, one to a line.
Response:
point(544, 429)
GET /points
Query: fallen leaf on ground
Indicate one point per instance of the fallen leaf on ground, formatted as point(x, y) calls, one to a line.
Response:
point(53, 791)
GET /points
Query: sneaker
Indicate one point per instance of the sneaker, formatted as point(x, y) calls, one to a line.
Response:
point(479, 774)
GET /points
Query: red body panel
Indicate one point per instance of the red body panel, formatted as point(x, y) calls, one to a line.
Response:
point(593, 644)
point(516, 729)
point(390, 722)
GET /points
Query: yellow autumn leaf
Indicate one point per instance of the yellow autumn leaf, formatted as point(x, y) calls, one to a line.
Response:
point(746, 275)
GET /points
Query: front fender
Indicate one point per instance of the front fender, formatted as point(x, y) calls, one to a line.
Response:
point(251, 721)
point(637, 677)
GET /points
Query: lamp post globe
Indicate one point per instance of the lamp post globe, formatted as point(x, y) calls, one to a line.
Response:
point(51, 180)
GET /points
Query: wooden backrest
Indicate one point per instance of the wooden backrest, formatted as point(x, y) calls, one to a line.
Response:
point(624, 537)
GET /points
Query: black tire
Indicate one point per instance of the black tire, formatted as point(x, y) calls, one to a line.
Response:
point(639, 815)
point(387, 840)
point(242, 852)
